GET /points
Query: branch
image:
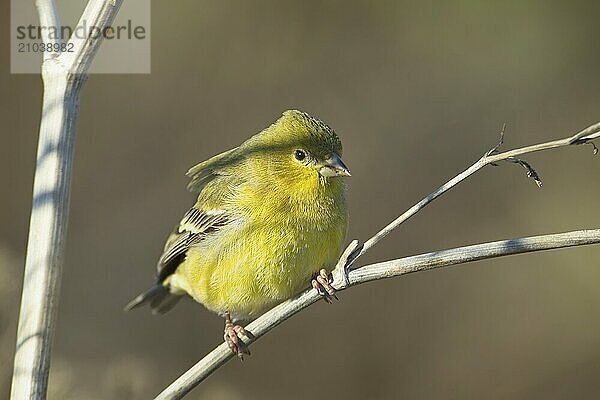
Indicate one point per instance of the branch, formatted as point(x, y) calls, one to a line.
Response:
point(444, 258)
point(97, 13)
point(63, 79)
point(48, 19)
point(491, 157)
point(343, 277)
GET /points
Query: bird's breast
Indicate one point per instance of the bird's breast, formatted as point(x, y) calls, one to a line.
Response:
point(270, 254)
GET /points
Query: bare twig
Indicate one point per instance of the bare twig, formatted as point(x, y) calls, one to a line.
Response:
point(491, 157)
point(461, 255)
point(444, 258)
point(344, 278)
point(97, 13)
point(63, 76)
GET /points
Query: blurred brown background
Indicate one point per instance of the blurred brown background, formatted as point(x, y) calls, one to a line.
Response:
point(417, 91)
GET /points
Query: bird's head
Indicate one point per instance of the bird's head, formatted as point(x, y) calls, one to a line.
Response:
point(302, 147)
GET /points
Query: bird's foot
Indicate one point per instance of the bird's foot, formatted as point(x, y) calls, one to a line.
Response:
point(232, 335)
point(322, 283)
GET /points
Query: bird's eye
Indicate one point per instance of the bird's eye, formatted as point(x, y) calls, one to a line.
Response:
point(299, 155)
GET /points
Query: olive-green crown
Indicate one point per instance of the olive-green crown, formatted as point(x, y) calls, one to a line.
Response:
point(294, 125)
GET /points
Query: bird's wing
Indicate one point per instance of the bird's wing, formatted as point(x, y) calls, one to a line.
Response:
point(206, 171)
point(215, 182)
point(193, 228)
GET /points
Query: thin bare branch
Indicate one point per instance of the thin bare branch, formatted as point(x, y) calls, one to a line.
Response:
point(491, 157)
point(443, 258)
point(99, 14)
point(461, 255)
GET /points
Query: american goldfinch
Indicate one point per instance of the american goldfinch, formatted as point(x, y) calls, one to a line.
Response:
point(270, 220)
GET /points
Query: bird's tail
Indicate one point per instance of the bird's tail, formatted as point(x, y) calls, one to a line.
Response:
point(158, 296)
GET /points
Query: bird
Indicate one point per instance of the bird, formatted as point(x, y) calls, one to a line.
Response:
point(270, 220)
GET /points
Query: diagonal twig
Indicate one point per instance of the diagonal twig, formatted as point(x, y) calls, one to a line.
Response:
point(491, 157)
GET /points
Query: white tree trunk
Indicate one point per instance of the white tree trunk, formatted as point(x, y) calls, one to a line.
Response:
point(63, 77)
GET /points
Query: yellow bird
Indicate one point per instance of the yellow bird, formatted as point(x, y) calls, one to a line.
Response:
point(270, 219)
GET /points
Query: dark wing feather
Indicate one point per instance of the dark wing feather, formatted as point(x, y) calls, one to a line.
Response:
point(192, 229)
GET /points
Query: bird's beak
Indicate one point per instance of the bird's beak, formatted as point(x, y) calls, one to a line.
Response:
point(334, 166)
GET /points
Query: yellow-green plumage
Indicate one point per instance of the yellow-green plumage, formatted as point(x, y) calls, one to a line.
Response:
point(264, 221)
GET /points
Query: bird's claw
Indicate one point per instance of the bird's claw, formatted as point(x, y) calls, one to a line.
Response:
point(321, 282)
point(232, 335)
